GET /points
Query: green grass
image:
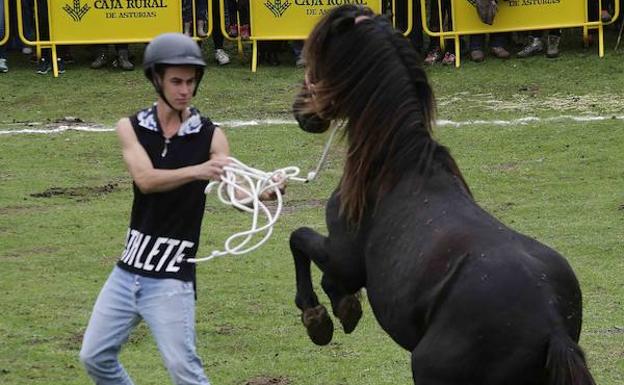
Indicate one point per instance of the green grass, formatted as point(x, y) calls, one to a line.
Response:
point(559, 181)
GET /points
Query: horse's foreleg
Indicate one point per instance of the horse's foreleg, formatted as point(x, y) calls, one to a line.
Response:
point(306, 245)
point(345, 305)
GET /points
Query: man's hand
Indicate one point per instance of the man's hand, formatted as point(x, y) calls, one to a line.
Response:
point(212, 169)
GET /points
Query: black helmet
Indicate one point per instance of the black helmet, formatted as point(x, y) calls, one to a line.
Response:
point(175, 49)
point(172, 49)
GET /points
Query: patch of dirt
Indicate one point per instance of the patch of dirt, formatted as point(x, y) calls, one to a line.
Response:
point(74, 341)
point(77, 192)
point(267, 380)
point(609, 331)
point(526, 101)
point(621, 207)
point(29, 252)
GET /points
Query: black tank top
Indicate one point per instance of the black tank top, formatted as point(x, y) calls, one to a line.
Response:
point(165, 226)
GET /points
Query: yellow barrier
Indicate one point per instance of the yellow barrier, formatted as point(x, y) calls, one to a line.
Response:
point(291, 19)
point(519, 15)
point(5, 37)
point(106, 22)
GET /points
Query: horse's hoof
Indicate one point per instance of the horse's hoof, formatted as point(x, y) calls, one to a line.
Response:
point(349, 312)
point(318, 324)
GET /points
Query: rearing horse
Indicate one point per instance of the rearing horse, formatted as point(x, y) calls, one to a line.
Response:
point(475, 302)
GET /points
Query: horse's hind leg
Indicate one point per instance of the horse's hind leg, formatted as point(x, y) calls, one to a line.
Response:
point(306, 245)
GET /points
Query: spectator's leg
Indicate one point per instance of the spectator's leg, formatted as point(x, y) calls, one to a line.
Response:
point(534, 46)
point(202, 16)
point(217, 36)
point(232, 18)
point(476, 48)
point(3, 61)
point(100, 57)
point(243, 12)
point(44, 65)
point(498, 41)
point(123, 57)
point(552, 43)
point(187, 16)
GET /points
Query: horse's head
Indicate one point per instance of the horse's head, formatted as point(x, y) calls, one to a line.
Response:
point(364, 73)
point(308, 120)
point(487, 10)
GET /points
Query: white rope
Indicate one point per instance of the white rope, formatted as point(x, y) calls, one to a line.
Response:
point(240, 180)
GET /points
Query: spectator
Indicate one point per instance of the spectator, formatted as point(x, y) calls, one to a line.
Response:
point(122, 59)
point(201, 16)
point(3, 60)
point(268, 52)
point(434, 51)
point(535, 44)
point(45, 62)
point(416, 34)
point(497, 46)
point(238, 9)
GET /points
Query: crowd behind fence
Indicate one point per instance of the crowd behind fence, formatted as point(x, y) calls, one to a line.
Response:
point(442, 30)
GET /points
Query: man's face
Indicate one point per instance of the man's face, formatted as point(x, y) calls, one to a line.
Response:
point(178, 85)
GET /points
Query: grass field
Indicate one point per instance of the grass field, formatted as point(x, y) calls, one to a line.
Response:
point(65, 201)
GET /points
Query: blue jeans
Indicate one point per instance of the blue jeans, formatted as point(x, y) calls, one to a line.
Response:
point(168, 308)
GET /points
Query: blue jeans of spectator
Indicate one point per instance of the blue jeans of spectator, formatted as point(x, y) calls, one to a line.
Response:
point(477, 42)
point(28, 18)
point(168, 308)
point(201, 10)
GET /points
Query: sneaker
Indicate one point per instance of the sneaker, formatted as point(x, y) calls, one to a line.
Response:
point(26, 50)
point(233, 30)
point(222, 57)
point(99, 62)
point(448, 59)
point(43, 67)
point(552, 46)
point(605, 16)
point(477, 55)
point(535, 46)
point(201, 28)
point(435, 55)
point(244, 31)
point(500, 52)
point(60, 65)
point(3, 65)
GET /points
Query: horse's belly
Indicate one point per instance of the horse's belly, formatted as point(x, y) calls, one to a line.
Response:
point(396, 318)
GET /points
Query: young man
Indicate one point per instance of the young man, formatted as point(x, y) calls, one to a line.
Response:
point(171, 152)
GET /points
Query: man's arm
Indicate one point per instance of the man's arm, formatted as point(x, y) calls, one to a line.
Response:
point(149, 179)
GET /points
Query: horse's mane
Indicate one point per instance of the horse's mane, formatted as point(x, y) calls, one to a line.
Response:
point(368, 74)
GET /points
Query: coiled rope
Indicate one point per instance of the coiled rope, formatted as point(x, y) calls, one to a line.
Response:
point(251, 183)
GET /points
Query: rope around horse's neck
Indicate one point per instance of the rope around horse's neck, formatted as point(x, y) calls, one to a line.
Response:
point(251, 183)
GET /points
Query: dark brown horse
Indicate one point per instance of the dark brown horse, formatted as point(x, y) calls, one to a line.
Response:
point(475, 302)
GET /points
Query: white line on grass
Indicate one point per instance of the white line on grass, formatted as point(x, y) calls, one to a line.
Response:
point(250, 123)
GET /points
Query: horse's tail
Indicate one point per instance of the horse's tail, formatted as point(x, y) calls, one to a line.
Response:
point(565, 363)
